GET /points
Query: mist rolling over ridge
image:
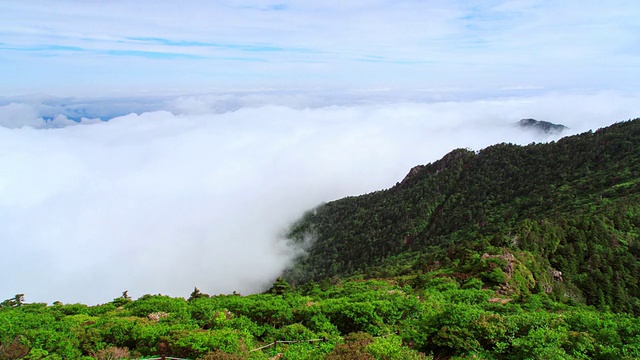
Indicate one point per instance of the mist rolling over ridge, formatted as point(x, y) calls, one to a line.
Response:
point(164, 201)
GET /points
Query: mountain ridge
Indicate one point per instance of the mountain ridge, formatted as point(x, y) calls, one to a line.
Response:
point(540, 202)
point(542, 126)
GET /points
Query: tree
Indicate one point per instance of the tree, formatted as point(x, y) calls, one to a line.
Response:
point(122, 300)
point(280, 286)
point(196, 294)
point(17, 300)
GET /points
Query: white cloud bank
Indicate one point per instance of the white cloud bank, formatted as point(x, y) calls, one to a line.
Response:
point(161, 202)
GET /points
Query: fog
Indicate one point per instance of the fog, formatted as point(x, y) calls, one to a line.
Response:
point(177, 192)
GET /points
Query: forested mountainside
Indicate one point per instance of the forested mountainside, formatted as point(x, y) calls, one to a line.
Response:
point(561, 218)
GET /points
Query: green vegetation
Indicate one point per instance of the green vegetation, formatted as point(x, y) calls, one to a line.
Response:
point(411, 317)
point(559, 218)
point(513, 252)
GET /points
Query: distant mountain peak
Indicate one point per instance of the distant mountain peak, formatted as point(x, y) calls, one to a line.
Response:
point(542, 126)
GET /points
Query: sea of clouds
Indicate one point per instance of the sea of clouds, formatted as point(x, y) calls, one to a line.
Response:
point(160, 195)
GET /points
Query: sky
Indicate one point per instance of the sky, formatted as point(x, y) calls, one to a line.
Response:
point(149, 47)
point(160, 146)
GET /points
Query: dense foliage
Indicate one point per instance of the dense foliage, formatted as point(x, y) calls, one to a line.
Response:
point(562, 217)
point(433, 315)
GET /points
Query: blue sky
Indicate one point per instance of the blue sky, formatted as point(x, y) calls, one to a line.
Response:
point(155, 47)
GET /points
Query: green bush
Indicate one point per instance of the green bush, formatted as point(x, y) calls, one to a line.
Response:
point(391, 348)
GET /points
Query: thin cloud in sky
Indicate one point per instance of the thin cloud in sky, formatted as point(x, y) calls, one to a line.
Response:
point(164, 45)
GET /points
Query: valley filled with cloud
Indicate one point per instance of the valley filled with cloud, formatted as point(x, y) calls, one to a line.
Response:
point(178, 192)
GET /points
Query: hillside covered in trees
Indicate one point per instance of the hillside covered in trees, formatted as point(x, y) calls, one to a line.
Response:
point(511, 252)
point(561, 218)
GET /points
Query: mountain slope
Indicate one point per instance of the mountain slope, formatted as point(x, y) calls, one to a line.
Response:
point(561, 218)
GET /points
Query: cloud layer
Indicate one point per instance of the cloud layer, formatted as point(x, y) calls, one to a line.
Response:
point(164, 201)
